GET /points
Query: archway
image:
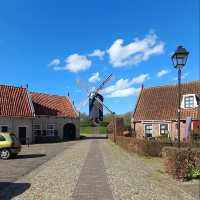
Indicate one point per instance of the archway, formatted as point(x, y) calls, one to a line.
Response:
point(69, 131)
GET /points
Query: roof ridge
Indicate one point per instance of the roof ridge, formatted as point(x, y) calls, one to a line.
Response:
point(173, 85)
point(43, 93)
point(12, 86)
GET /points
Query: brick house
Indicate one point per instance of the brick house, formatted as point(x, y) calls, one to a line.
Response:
point(37, 117)
point(155, 112)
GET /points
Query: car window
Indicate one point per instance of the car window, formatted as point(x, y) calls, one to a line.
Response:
point(2, 138)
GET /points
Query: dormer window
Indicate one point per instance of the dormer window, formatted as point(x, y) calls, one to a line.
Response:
point(189, 101)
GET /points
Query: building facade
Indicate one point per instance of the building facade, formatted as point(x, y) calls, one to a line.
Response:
point(155, 113)
point(37, 117)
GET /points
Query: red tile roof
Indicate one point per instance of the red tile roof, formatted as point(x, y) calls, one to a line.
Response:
point(14, 101)
point(53, 105)
point(160, 103)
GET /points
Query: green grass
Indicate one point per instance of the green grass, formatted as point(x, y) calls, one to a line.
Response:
point(87, 130)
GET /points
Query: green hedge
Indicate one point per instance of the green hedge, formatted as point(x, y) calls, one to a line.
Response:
point(182, 163)
point(140, 146)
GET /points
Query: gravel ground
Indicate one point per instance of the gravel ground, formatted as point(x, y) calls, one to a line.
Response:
point(29, 159)
point(55, 179)
point(128, 175)
point(131, 177)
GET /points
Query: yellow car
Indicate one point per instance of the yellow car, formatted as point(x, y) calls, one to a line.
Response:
point(9, 145)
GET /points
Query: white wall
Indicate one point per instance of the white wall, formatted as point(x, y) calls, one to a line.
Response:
point(14, 122)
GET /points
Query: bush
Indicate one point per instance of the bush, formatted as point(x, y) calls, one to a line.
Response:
point(182, 163)
point(140, 146)
point(104, 123)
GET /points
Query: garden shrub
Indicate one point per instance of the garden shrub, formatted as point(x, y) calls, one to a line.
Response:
point(182, 163)
point(140, 146)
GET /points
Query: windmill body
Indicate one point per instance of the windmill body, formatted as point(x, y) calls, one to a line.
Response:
point(96, 108)
point(95, 100)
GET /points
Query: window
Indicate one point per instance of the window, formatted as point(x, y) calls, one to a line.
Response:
point(36, 129)
point(2, 138)
point(148, 130)
point(51, 129)
point(164, 129)
point(4, 129)
point(189, 102)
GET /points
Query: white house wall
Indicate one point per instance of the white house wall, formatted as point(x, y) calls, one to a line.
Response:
point(14, 122)
point(59, 121)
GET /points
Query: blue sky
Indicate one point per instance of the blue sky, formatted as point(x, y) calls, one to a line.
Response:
point(49, 44)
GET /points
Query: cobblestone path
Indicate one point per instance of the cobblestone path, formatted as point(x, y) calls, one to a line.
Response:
point(97, 169)
point(92, 183)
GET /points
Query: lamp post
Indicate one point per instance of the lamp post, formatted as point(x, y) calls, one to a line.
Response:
point(179, 59)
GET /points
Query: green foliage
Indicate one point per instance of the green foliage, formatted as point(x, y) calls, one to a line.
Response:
point(182, 163)
point(107, 118)
point(85, 123)
point(194, 172)
point(104, 123)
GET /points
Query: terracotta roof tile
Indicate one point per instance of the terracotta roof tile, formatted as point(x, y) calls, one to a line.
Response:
point(14, 101)
point(53, 105)
point(160, 103)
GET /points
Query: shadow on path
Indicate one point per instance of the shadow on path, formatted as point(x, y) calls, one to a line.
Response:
point(26, 156)
point(12, 189)
point(83, 137)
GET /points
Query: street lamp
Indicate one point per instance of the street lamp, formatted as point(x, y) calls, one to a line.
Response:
point(179, 59)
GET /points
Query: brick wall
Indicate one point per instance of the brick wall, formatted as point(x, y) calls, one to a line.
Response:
point(139, 129)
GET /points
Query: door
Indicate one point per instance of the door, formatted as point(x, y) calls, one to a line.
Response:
point(22, 134)
point(69, 132)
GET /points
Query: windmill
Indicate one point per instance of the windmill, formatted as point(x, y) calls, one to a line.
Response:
point(95, 100)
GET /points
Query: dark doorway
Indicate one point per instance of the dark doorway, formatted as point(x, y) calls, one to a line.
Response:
point(22, 134)
point(69, 132)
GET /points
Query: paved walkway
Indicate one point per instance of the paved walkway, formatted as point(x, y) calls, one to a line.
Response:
point(92, 183)
point(97, 169)
point(29, 159)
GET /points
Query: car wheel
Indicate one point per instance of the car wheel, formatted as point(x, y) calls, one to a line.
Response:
point(5, 154)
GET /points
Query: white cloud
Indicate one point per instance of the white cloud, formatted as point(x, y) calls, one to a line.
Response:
point(94, 78)
point(98, 53)
point(136, 51)
point(123, 87)
point(162, 73)
point(140, 79)
point(75, 63)
point(54, 62)
point(124, 92)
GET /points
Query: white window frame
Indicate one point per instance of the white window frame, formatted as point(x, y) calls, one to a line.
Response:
point(190, 103)
point(34, 129)
point(194, 101)
point(161, 134)
point(145, 130)
point(52, 131)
